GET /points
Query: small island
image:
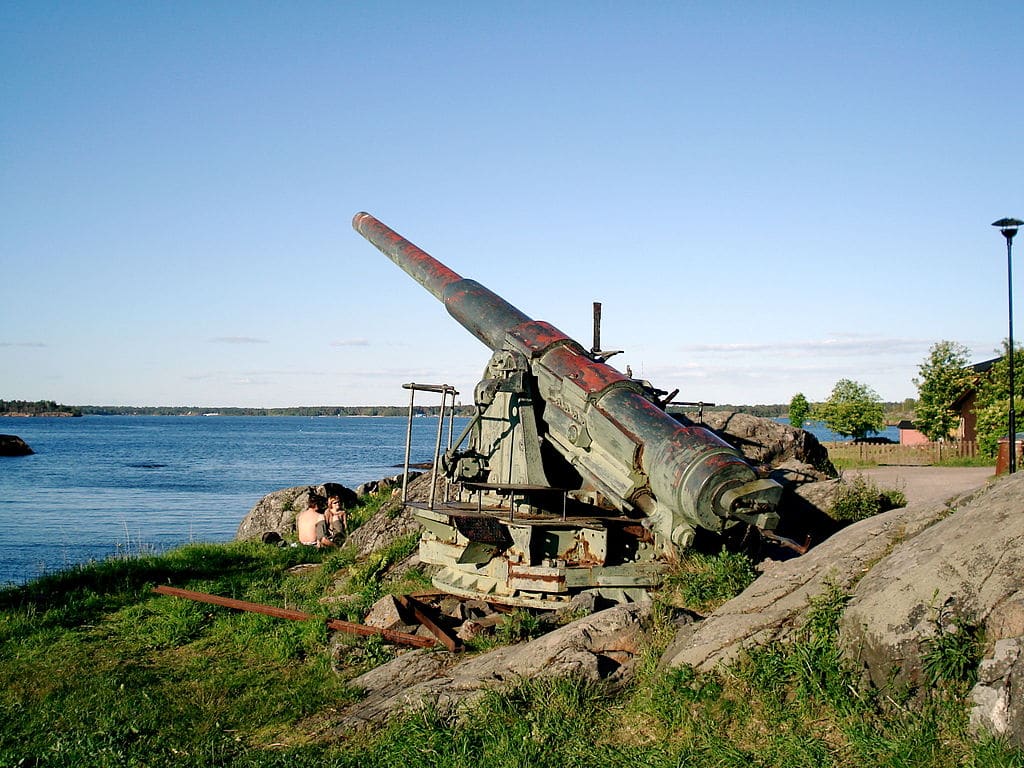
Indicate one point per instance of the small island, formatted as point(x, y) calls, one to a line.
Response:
point(26, 408)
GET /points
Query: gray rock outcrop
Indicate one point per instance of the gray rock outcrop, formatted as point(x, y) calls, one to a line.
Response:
point(766, 442)
point(998, 697)
point(967, 568)
point(602, 646)
point(275, 512)
point(912, 573)
point(392, 520)
point(773, 607)
point(12, 445)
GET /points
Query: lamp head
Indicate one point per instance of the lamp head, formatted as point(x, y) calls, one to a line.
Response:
point(1008, 227)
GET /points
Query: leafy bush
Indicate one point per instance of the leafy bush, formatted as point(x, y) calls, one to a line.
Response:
point(519, 625)
point(860, 499)
point(702, 582)
point(953, 654)
point(366, 507)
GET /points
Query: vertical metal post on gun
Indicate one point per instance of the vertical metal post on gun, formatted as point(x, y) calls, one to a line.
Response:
point(408, 442)
point(437, 446)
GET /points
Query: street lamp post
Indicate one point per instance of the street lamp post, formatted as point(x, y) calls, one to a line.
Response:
point(1008, 228)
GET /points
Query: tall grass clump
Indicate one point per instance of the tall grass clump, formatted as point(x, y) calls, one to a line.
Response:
point(860, 498)
point(952, 655)
point(702, 582)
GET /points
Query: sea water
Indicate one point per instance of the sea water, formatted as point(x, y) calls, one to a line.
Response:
point(102, 486)
point(826, 435)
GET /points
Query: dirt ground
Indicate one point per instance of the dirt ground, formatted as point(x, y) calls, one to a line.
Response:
point(926, 483)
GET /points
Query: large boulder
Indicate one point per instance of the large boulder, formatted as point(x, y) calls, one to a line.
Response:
point(913, 573)
point(766, 442)
point(12, 445)
point(393, 520)
point(602, 646)
point(966, 570)
point(774, 606)
point(275, 512)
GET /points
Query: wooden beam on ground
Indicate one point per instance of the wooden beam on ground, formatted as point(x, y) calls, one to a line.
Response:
point(286, 613)
point(423, 617)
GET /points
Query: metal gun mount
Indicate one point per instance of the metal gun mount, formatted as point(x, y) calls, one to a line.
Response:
point(570, 476)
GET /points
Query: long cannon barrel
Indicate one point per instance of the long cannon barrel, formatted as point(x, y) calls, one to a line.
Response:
point(482, 312)
point(680, 475)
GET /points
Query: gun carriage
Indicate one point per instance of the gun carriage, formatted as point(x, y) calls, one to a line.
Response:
point(570, 476)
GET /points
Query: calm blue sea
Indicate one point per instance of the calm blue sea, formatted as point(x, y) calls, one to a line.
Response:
point(101, 486)
point(826, 435)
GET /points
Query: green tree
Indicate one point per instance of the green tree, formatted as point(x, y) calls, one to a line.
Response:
point(853, 409)
point(799, 410)
point(944, 376)
point(992, 404)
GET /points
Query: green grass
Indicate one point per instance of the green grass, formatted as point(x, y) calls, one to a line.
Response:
point(701, 582)
point(852, 463)
point(968, 461)
point(97, 670)
point(841, 463)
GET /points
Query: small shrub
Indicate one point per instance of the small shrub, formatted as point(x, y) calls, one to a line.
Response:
point(892, 498)
point(953, 654)
point(860, 499)
point(366, 507)
point(519, 625)
point(703, 582)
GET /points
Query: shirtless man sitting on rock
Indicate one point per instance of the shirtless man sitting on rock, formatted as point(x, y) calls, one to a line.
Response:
point(310, 524)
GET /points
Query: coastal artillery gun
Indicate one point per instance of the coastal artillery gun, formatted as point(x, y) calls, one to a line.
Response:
point(570, 476)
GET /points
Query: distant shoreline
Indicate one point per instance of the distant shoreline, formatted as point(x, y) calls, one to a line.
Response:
point(50, 414)
point(895, 412)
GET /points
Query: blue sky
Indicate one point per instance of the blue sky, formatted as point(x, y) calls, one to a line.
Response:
point(766, 197)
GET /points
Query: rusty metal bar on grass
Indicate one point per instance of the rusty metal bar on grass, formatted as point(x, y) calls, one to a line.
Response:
point(286, 613)
point(418, 610)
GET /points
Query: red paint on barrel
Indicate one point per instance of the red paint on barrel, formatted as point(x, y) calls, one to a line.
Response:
point(568, 362)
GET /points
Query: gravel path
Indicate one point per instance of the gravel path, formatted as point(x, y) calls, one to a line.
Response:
point(926, 483)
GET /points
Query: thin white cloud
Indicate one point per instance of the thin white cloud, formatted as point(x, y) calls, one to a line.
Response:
point(282, 372)
point(238, 340)
point(841, 346)
point(351, 343)
point(248, 377)
point(29, 344)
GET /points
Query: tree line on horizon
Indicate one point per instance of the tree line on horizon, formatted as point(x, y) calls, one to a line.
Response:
point(37, 408)
point(893, 411)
